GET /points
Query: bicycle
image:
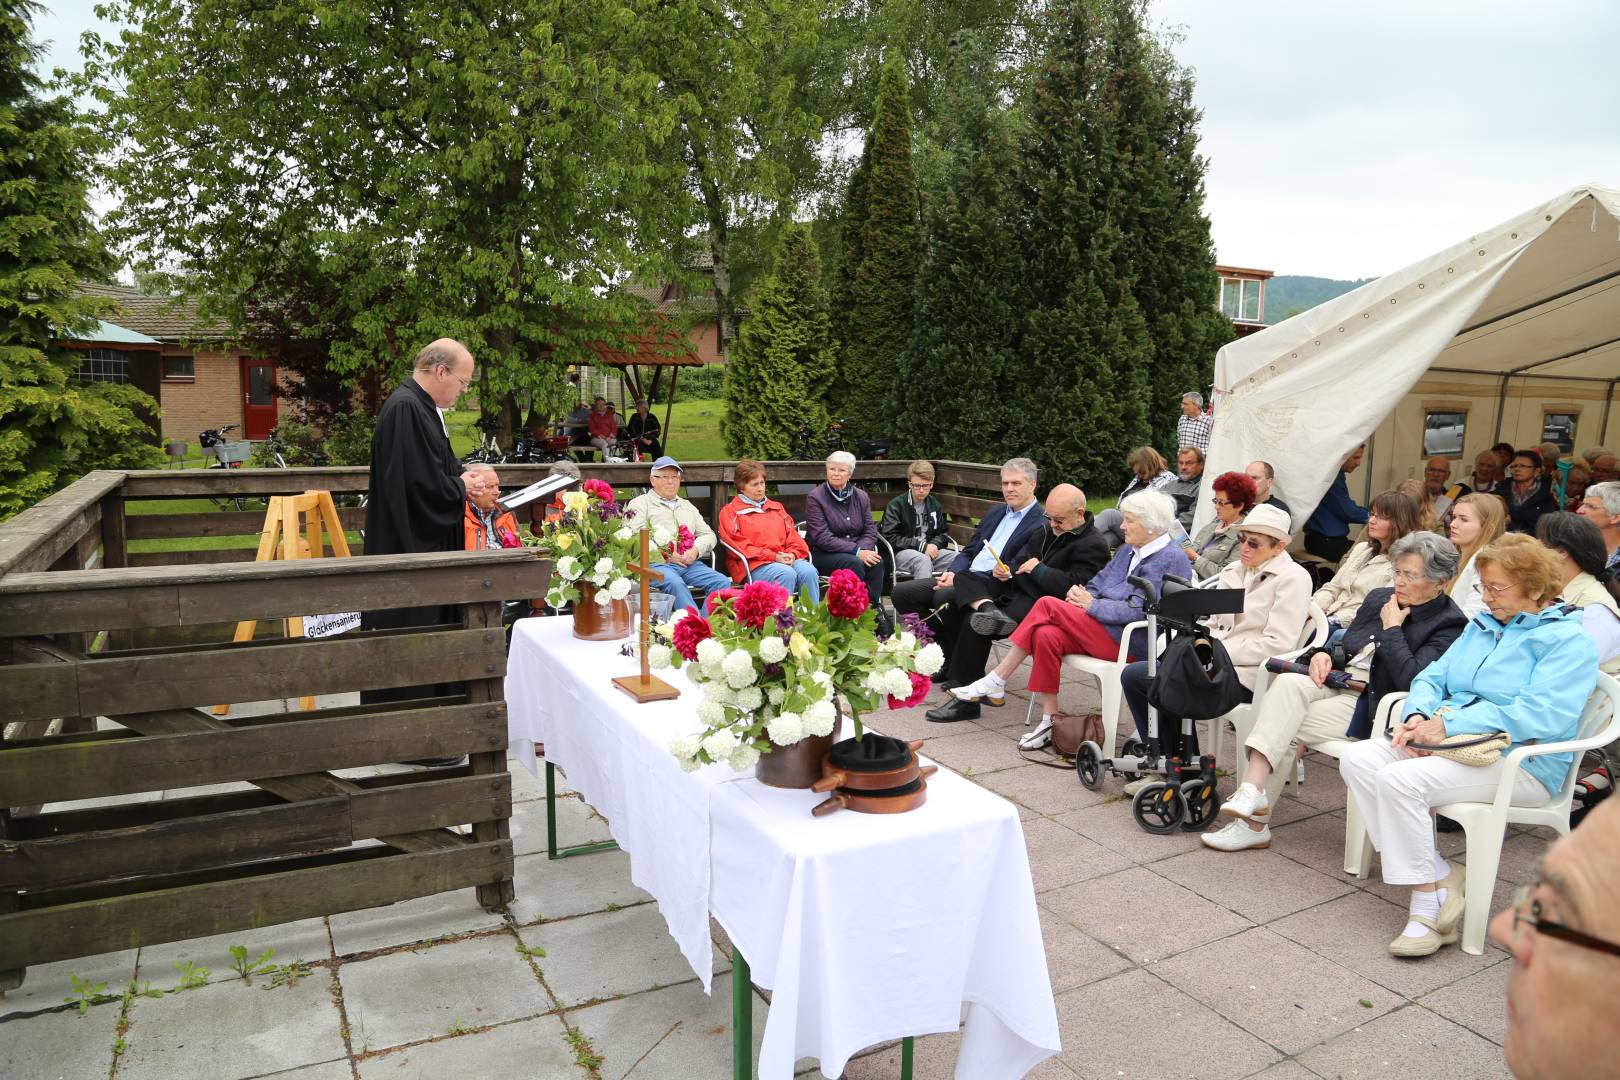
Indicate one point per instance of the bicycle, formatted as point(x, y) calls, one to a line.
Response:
point(228, 454)
point(804, 444)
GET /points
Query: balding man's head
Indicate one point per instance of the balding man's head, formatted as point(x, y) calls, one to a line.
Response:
point(1065, 508)
point(1436, 471)
point(492, 487)
point(1263, 476)
point(444, 368)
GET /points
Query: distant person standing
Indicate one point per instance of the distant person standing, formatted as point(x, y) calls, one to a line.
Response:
point(1327, 531)
point(1192, 430)
point(418, 489)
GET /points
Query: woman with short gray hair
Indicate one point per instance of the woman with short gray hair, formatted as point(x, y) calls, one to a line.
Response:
point(1397, 632)
point(841, 532)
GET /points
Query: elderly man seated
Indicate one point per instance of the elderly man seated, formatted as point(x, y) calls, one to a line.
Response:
point(915, 527)
point(1438, 489)
point(1487, 475)
point(1265, 477)
point(1190, 477)
point(1605, 468)
point(969, 583)
point(1064, 554)
point(690, 540)
point(1602, 505)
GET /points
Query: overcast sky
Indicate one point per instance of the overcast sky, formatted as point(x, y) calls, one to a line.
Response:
point(1350, 139)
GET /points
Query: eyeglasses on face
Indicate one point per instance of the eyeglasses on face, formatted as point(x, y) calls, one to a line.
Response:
point(918, 486)
point(1218, 501)
point(1527, 912)
point(1495, 590)
point(1408, 576)
point(465, 383)
point(1521, 465)
point(1249, 540)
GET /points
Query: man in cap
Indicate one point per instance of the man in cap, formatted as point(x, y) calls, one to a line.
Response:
point(1192, 430)
point(678, 557)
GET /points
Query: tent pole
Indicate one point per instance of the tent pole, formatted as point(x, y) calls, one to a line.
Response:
point(1501, 407)
point(674, 377)
point(1608, 402)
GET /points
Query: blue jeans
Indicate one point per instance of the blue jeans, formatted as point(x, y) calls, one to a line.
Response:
point(679, 581)
point(795, 579)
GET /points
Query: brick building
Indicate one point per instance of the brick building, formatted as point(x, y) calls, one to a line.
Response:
point(695, 311)
point(1243, 298)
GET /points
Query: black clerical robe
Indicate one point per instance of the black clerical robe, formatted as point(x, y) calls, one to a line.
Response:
point(417, 503)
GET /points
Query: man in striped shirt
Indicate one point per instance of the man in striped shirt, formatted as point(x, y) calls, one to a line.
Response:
point(1192, 430)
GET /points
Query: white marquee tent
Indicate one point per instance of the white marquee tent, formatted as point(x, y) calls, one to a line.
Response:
point(1537, 297)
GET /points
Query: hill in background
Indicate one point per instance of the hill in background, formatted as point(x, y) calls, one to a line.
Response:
point(1289, 294)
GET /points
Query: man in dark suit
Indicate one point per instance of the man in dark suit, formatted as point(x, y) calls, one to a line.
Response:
point(1066, 552)
point(973, 577)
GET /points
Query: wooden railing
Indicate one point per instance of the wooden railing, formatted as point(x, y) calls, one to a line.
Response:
point(115, 626)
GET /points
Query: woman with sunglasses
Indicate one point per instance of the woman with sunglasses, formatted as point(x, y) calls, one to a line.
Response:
point(1524, 668)
point(1214, 546)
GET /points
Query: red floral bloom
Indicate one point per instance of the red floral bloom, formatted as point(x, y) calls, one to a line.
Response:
point(682, 543)
point(758, 602)
point(598, 489)
point(689, 632)
point(509, 539)
point(920, 685)
point(846, 595)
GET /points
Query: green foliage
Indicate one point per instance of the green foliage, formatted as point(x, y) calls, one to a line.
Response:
point(52, 427)
point(969, 300)
point(86, 994)
point(779, 373)
point(191, 976)
point(533, 952)
point(348, 439)
point(881, 251)
point(287, 974)
point(1290, 294)
point(248, 968)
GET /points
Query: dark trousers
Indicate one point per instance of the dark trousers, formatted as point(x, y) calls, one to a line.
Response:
point(1331, 548)
point(969, 655)
point(1133, 684)
point(874, 576)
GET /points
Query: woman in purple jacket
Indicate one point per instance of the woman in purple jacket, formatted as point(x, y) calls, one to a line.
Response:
point(840, 529)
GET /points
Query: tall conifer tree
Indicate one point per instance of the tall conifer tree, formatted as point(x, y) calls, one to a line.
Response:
point(777, 376)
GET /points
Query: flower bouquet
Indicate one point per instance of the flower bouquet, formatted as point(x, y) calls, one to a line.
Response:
point(592, 541)
point(773, 668)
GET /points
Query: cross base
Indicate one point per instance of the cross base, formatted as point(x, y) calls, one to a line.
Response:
point(645, 688)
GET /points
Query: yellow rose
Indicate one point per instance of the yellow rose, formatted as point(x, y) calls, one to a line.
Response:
point(799, 646)
point(576, 501)
point(565, 541)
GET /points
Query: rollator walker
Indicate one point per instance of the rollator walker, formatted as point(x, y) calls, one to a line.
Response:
point(1185, 797)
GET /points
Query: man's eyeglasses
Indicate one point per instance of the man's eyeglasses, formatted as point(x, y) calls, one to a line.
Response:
point(1527, 912)
point(923, 488)
point(1521, 465)
point(465, 383)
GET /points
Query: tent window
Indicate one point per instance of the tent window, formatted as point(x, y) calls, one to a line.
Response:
point(1443, 433)
point(1559, 428)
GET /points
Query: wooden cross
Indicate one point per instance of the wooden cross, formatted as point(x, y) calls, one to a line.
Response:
point(645, 687)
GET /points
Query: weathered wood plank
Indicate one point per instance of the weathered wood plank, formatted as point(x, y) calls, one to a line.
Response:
point(492, 762)
point(222, 483)
point(432, 804)
point(965, 507)
point(46, 934)
point(114, 535)
point(172, 847)
point(38, 536)
point(211, 556)
point(89, 771)
point(227, 523)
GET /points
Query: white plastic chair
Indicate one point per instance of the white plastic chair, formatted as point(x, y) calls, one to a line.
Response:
point(1107, 673)
point(1357, 845)
point(1243, 717)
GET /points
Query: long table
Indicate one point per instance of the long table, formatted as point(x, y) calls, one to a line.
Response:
point(866, 928)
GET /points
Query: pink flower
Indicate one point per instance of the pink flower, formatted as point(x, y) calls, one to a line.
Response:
point(682, 543)
point(846, 595)
point(509, 539)
point(758, 602)
point(598, 489)
point(689, 632)
point(920, 685)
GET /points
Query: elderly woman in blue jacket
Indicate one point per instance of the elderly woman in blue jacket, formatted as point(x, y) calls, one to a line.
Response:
point(1525, 667)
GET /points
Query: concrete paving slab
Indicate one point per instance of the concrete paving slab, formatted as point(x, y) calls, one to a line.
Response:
point(426, 918)
point(1138, 1027)
point(60, 1045)
point(535, 1049)
point(935, 1059)
point(409, 996)
point(1060, 856)
point(1355, 931)
point(1285, 1070)
point(1110, 824)
point(1478, 1003)
point(609, 954)
point(974, 753)
point(1408, 1044)
point(1259, 885)
point(1282, 992)
point(681, 1031)
point(1074, 958)
point(45, 986)
point(1141, 914)
point(527, 786)
point(1323, 787)
point(1317, 841)
point(232, 1031)
point(305, 940)
point(577, 823)
point(1045, 791)
point(326, 1070)
point(555, 889)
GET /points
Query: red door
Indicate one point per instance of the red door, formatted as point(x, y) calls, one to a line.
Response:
point(258, 398)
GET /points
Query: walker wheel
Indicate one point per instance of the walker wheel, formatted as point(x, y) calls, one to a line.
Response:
point(1132, 747)
point(1159, 808)
point(1201, 803)
point(1088, 764)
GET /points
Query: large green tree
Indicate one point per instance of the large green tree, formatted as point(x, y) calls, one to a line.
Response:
point(52, 427)
point(778, 375)
point(877, 323)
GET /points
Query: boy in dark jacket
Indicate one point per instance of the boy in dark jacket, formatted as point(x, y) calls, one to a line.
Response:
point(914, 525)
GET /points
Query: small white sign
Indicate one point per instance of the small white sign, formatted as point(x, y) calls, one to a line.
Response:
point(340, 622)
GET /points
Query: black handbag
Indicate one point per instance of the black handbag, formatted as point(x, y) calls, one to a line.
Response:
point(1195, 679)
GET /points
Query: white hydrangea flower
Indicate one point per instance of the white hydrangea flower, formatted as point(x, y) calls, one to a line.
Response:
point(908, 641)
point(619, 589)
point(719, 744)
point(661, 536)
point(750, 698)
point(690, 764)
point(739, 668)
point(711, 713)
point(659, 656)
point(710, 649)
point(623, 534)
point(899, 683)
point(568, 568)
point(930, 659)
point(819, 718)
point(684, 746)
point(603, 567)
point(876, 681)
point(821, 677)
point(775, 694)
point(677, 616)
point(743, 758)
point(719, 693)
point(786, 729)
point(603, 597)
point(711, 669)
point(772, 649)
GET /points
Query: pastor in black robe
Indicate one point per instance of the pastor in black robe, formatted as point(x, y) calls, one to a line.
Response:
point(417, 503)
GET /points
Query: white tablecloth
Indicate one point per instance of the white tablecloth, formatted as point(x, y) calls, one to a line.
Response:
point(865, 927)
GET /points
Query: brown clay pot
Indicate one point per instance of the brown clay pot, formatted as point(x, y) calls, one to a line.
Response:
point(799, 765)
point(594, 622)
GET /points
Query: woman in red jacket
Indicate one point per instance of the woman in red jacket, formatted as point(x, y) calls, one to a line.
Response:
point(761, 531)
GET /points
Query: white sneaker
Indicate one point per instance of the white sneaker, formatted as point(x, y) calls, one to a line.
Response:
point(1247, 801)
point(1041, 736)
point(1237, 836)
point(1139, 783)
point(984, 690)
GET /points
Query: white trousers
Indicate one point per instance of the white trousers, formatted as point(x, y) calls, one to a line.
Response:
point(919, 566)
point(1396, 792)
point(1294, 710)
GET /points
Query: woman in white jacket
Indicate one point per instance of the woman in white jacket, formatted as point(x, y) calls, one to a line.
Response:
point(1476, 520)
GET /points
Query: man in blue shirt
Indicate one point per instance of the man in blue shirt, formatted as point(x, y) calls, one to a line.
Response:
point(1327, 531)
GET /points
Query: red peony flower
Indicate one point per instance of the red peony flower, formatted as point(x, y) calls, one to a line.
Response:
point(758, 602)
point(846, 595)
point(598, 489)
point(920, 685)
point(509, 539)
point(689, 632)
